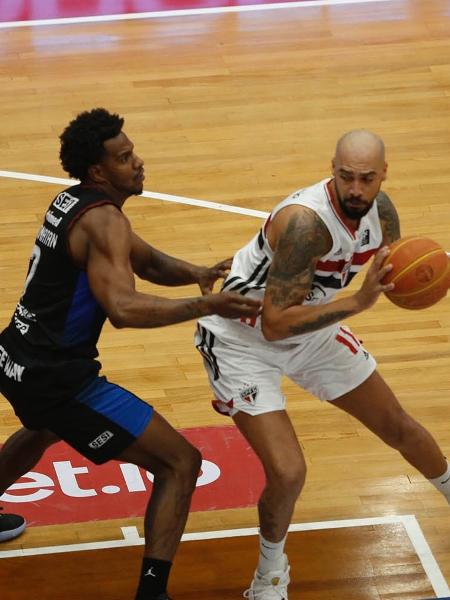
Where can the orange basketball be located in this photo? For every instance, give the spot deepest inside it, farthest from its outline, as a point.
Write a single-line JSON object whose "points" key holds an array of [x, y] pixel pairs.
{"points": [[421, 272]]}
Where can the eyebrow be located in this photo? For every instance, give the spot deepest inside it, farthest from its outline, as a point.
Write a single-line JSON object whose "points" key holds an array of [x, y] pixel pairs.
{"points": [[352, 172], [126, 151]]}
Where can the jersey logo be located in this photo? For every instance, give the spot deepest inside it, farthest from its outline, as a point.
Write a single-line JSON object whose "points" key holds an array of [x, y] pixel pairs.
{"points": [[53, 219], [316, 293], [365, 237], [64, 202], [248, 393], [100, 440], [25, 313], [21, 326]]}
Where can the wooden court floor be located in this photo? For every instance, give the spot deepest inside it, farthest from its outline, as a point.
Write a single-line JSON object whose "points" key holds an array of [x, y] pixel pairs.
{"points": [[376, 562]]}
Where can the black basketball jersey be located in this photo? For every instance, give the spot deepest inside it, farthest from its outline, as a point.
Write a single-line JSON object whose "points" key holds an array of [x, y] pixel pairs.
{"points": [[57, 314]]}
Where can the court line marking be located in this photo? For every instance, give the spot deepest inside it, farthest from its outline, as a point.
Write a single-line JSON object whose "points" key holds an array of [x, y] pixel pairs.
{"points": [[131, 538], [155, 195], [184, 12], [250, 212]]}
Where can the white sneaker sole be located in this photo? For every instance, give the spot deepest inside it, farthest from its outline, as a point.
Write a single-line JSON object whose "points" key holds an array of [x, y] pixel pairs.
{"points": [[12, 533]]}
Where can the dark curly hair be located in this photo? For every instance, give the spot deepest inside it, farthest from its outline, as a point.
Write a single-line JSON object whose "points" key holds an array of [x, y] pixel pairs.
{"points": [[82, 140]]}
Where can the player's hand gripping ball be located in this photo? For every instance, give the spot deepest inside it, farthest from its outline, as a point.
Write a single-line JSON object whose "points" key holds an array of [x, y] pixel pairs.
{"points": [[420, 272]]}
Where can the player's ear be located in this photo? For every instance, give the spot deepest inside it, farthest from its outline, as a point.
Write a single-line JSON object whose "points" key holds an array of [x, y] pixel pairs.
{"points": [[384, 171], [95, 173]]}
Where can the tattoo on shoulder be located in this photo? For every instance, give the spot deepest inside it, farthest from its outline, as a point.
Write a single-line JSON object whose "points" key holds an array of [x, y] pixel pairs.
{"points": [[305, 239], [390, 223]]}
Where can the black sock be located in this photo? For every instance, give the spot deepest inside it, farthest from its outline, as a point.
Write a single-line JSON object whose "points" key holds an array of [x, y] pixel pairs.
{"points": [[154, 577]]}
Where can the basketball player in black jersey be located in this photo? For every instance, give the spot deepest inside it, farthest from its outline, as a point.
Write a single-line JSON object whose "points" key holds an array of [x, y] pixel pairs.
{"points": [[81, 272]]}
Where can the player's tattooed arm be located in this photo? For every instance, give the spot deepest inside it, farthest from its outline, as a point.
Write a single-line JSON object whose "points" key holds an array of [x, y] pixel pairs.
{"points": [[319, 321], [304, 240], [301, 243], [390, 223]]}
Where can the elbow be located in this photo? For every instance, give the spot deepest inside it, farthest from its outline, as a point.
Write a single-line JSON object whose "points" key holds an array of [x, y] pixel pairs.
{"points": [[269, 331], [117, 321], [119, 316]]}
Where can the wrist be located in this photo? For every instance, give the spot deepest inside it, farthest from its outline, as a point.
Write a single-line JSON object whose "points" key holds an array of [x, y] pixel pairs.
{"points": [[358, 302], [196, 273], [204, 307]]}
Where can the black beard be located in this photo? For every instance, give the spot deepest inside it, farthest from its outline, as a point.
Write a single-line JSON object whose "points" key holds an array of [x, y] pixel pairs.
{"points": [[352, 213]]}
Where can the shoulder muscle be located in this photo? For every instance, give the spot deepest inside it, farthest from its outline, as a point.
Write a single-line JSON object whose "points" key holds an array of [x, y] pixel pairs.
{"points": [[390, 223], [102, 230], [302, 241]]}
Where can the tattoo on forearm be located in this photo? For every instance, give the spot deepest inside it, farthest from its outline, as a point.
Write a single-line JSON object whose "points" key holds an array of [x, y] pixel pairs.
{"points": [[389, 218], [305, 240], [319, 322]]}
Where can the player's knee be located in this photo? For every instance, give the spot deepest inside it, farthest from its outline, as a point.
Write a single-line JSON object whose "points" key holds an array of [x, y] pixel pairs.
{"points": [[400, 430], [187, 467], [289, 477], [194, 464], [180, 469]]}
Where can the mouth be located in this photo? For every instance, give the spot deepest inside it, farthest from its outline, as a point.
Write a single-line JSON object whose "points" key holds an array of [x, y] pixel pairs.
{"points": [[140, 177], [355, 203]]}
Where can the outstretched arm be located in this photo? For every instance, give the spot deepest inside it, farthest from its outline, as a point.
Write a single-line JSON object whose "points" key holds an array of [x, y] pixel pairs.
{"points": [[301, 240], [156, 266], [101, 242]]}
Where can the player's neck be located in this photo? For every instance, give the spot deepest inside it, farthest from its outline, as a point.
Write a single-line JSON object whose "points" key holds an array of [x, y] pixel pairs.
{"points": [[109, 190]]}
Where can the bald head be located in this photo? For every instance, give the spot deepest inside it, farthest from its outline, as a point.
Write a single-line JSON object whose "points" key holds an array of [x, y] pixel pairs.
{"points": [[360, 144], [359, 168]]}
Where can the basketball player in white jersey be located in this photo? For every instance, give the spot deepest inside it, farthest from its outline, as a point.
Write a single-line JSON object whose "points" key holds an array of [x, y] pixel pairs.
{"points": [[310, 247]]}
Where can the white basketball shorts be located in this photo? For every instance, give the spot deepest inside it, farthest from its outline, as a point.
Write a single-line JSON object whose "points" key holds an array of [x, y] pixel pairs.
{"points": [[246, 375]]}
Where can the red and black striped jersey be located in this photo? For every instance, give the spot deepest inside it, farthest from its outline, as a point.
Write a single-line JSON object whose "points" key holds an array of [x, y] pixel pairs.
{"points": [[349, 252]]}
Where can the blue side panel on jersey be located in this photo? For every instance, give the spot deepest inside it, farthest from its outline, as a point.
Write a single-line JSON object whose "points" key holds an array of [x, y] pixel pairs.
{"points": [[118, 404], [85, 317]]}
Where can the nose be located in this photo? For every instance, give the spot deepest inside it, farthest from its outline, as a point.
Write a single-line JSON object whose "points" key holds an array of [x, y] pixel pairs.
{"points": [[138, 162], [356, 189]]}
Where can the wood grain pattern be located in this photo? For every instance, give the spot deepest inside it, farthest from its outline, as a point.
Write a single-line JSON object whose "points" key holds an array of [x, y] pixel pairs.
{"points": [[362, 563]]}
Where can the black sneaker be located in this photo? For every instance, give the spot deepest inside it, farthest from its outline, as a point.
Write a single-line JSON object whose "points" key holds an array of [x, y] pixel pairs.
{"points": [[10, 526]]}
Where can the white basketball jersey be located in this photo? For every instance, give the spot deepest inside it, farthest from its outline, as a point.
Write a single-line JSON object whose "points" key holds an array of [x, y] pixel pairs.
{"points": [[334, 271]]}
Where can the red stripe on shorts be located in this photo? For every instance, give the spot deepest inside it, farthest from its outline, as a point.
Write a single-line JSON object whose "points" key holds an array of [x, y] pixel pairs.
{"points": [[346, 342], [350, 334]]}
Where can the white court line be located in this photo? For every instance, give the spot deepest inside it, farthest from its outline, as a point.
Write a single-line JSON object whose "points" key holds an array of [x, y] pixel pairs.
{"points": [[425, 555], [166, 197], [131, 538], [183, 12], [157, 196]]}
